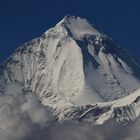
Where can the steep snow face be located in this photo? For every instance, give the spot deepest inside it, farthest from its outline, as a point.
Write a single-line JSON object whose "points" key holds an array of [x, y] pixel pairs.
{"points": [[72, 64]]}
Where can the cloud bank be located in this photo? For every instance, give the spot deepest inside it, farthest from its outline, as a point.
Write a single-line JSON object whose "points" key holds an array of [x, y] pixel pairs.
{"points": [[23, 117], [21, 114]]}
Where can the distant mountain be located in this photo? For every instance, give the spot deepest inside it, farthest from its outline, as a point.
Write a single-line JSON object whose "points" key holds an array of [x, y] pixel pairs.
{"points": [[73, 66]]}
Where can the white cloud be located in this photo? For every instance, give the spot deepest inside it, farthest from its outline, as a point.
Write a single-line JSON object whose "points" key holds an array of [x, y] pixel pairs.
{"points": [[23, 117]]}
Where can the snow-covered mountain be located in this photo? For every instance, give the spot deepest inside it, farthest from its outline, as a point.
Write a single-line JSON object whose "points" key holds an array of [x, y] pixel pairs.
{"points": [[71, 67]]}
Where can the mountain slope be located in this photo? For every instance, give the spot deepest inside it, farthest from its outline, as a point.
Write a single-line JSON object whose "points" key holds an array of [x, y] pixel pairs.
{"points": [[72, 64], [123, 110]]}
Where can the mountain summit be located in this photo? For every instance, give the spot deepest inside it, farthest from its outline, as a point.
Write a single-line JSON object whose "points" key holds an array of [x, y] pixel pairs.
{"points": [[72, 64], [77, 26]]}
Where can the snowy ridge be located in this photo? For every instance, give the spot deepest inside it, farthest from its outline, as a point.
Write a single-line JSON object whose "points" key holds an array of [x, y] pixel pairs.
{"points": [[72, 67], [122, 110]]}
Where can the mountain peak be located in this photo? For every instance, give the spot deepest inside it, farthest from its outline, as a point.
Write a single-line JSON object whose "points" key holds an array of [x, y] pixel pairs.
{"points": [[77, 26], [70, 18], [67, 17], [75, 61]]}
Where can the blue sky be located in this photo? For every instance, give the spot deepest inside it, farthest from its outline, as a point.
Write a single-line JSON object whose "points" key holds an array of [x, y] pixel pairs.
{"points": [[23, 20]]}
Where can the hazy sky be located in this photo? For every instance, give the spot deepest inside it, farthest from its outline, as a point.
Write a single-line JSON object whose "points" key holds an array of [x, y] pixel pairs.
{"points": [[23, 20]]}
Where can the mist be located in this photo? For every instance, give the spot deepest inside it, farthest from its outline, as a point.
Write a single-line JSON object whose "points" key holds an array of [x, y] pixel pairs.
{"points": [[23, 117]]}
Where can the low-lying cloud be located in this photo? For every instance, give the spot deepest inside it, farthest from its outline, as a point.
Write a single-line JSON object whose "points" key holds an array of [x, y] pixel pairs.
{"points": [[21, 114], [23, 117]]}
